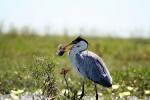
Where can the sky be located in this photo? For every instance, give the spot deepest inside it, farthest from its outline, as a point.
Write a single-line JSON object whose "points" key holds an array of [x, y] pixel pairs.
{"points": [[103, 17]]}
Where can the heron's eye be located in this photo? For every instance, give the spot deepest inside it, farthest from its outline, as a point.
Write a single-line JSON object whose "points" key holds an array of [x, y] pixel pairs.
{"points": [[78, 46]]}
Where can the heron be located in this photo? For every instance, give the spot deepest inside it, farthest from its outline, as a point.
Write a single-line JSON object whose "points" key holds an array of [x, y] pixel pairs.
{"points": [[87, 64]]}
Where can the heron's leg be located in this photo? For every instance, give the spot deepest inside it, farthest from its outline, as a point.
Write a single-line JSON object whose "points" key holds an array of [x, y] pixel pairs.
{"points": [[82, 94], [96, 91]]}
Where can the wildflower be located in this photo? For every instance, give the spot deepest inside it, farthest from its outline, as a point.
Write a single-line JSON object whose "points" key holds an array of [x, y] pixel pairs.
{"points": [[130, 88], [79, 93], [124, 94], [115, 87], [17, 92], [38, 91], [92, 98], [100, 94], [26, 77], [64, 92], [14, 96], [16, 72], [64, 71], [69, 79], [147, 91]]}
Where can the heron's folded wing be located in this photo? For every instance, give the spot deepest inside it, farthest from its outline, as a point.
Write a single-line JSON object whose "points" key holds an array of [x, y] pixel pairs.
{"points": [[93, 68]]}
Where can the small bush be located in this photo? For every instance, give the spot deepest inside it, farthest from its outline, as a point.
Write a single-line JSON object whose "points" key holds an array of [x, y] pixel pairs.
{"points": [[42, 70]]}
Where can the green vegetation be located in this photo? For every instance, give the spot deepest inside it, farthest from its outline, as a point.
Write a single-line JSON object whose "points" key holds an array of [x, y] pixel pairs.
{"points": [[28, 62]]}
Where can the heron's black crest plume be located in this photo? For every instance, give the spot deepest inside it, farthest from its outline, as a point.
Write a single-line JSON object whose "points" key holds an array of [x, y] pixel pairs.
{"points": [[78, 39]]}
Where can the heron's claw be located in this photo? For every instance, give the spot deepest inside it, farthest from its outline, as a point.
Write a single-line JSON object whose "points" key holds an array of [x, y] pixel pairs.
{"points": [[81, 96]]}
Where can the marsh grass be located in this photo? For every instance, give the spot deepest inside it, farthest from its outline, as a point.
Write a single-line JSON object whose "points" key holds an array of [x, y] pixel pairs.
{"points": [[28, 62]]}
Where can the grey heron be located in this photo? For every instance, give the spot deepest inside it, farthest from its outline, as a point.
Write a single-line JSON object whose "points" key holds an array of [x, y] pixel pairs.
{"points": [[87, 63]]}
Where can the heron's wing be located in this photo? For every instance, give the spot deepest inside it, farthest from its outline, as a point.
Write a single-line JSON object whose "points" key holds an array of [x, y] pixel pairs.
{"points": [[92, 67]]}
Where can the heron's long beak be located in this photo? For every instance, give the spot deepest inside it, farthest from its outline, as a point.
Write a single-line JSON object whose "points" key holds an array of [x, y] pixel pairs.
{"points": [[68, 47]]}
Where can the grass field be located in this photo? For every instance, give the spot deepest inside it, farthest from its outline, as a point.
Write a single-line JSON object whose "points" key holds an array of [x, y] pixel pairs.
{"points": [[29, 63]]}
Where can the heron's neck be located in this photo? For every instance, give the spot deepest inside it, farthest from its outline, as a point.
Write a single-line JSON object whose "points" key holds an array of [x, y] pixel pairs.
{"points": [[73, 60], [72, 53]]}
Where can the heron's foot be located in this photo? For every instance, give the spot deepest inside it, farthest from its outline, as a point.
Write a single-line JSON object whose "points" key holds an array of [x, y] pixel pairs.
{"points": [[96, 96], [81, 96]]}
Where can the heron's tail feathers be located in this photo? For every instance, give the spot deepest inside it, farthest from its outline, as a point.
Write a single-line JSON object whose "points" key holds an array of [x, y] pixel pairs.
{"points": [[104, 82]]}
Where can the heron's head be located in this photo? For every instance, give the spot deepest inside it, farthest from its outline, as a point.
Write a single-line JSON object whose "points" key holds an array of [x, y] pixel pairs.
{"points": [[77, 45]]}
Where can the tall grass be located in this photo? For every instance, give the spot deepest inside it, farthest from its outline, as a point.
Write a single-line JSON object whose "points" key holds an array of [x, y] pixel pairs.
{"points": [[28, 62]]}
